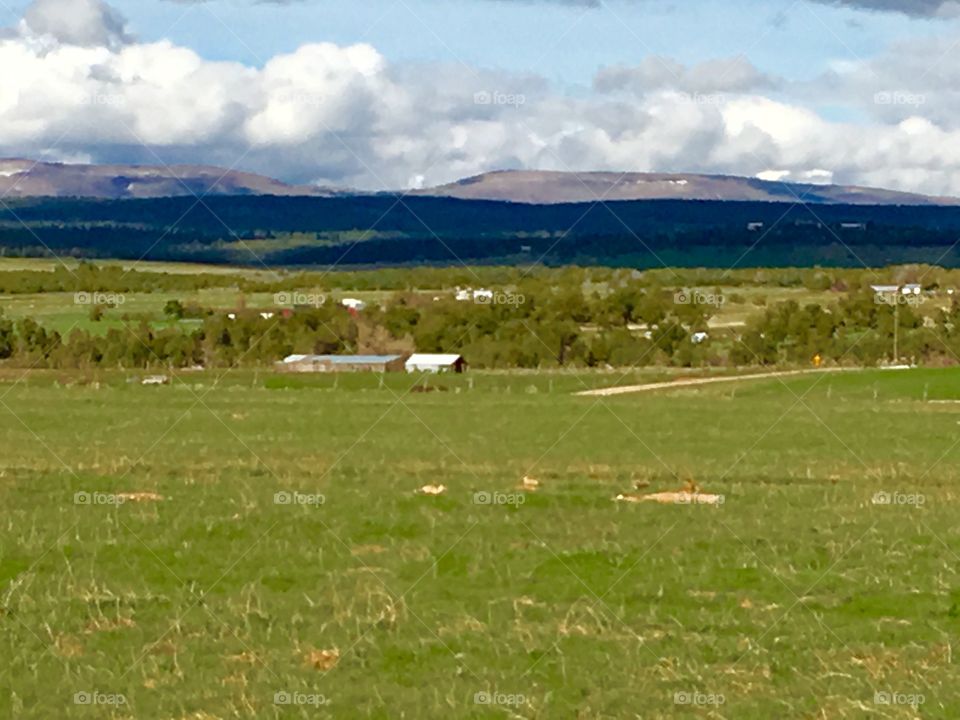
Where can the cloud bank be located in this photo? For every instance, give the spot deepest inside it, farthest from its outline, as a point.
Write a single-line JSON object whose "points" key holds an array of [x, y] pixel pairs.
{"points": [[84, 89]]}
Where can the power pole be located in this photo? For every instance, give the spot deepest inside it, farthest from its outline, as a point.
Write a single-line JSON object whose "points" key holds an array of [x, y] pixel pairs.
{"points": [[896, 332]]}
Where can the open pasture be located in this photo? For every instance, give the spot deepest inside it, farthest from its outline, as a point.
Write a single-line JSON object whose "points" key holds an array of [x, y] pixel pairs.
{"points": [[252, 546]]}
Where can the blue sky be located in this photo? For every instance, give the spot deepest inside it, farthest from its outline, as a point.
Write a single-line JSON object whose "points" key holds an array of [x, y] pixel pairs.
{"points": [[565, 43]]}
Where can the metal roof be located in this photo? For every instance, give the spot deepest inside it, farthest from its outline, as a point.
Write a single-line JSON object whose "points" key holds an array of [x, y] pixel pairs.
{"points": [[433, 359], [343, 359]]}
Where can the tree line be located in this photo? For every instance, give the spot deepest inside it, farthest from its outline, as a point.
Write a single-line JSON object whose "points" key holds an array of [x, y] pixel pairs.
{"points": [[562, 318]]}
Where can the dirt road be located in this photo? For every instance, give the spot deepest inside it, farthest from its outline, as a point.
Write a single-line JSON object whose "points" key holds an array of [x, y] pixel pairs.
{"points": [[627, 389]]}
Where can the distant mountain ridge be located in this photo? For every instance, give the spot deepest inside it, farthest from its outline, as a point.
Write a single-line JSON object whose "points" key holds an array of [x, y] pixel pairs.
{"points": [[550, 188], [21, 178]]}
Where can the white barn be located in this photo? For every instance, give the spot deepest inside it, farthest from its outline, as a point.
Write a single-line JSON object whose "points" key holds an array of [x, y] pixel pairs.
{"points": [[434, 363]]}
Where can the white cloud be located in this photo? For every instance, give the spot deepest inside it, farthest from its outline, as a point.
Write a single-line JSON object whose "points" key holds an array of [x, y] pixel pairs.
{"points": [[89, 23], [723, 75], [920, 8]]}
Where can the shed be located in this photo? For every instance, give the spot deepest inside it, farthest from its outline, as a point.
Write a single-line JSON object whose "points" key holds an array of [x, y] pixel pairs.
{"points": [[430, 362], [341, 363]]}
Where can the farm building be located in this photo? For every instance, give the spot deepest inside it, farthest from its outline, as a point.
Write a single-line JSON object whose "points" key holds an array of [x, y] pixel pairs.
{"points": [[341, 363], [353, 304], [909, 289], [428, 362]]}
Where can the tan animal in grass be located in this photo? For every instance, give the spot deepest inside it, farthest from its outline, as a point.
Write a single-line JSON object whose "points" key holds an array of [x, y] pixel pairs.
{"points": [[529, 484], [690, 487], [323, 659], [432, 490], [140, 497], [690, 494]]}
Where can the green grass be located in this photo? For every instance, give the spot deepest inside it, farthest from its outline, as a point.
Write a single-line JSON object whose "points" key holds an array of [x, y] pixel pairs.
{"points": [[797, 598], [179, 268]]}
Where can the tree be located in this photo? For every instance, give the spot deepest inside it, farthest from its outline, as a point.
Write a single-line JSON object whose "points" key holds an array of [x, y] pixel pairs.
{"points": [[174, 309]]}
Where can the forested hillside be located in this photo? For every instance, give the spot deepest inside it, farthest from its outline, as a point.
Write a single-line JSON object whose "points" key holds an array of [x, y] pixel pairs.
{"points": [[396, 230]]}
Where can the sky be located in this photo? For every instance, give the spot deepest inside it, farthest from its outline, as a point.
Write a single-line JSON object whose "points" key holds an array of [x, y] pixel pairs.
{"points": [[392, 94]]}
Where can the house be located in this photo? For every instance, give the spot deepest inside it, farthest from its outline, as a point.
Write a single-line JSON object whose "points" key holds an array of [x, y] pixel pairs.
{"points": [[908, 289], [340, 363], [434, 363], [699, 337], [481, 296], [353, 304], [853, 226], [754, 226]]}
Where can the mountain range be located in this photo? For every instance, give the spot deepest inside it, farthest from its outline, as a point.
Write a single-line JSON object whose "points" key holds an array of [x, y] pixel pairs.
{"points": [[26, 178], [20, 178]]}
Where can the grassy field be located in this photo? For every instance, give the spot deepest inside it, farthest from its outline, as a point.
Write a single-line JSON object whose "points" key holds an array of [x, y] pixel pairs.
{"points": [[8, 264], [805, 595]]}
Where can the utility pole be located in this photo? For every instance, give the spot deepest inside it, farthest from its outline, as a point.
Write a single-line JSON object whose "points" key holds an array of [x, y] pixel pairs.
{"points": [[892, 294], [896, 332]]}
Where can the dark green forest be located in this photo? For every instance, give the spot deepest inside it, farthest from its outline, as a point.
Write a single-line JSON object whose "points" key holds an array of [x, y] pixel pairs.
{"points": [[385, 230]]}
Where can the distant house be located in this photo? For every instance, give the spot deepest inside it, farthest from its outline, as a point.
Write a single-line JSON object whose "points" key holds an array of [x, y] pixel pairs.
{"points": [[353, 304], [754, 226], [909, 289], [853, 226], [699, 337], [480, 295], [341, 363], [428, 362]]}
